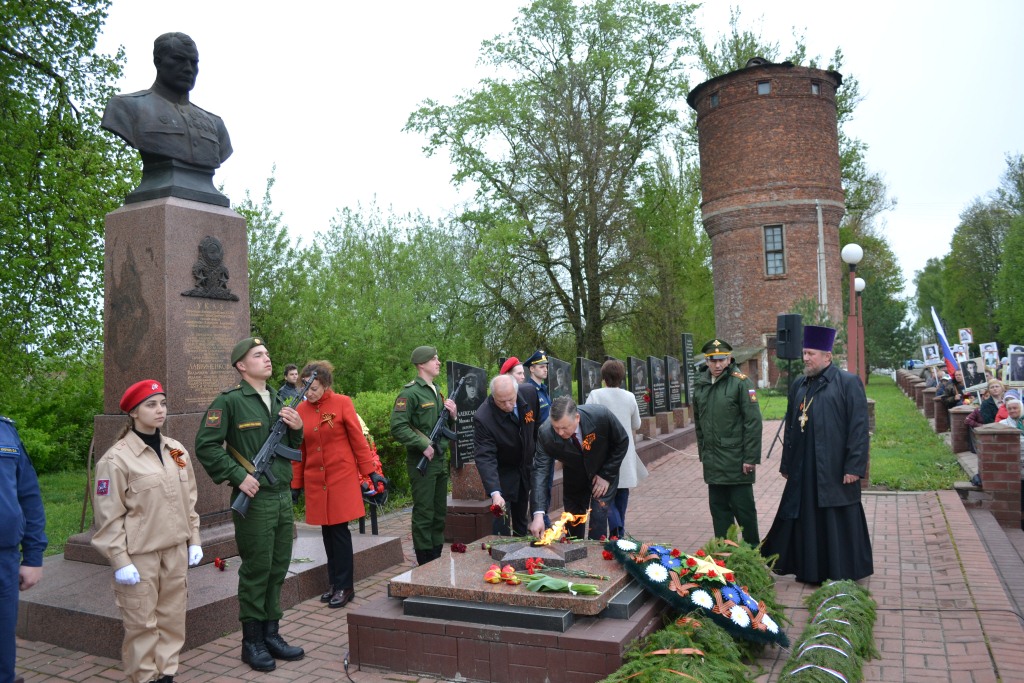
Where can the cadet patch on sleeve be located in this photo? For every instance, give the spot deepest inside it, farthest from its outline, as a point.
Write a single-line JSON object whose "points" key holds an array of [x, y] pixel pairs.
{"points": [[213, 418], [753, 395], [249, 425], [102, 487], [400, 404]]}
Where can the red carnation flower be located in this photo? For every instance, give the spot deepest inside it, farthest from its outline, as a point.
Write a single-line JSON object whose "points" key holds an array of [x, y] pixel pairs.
{"points": [[603, 538], [607, 555], [458, 547], [675, 552], [219, 563], [701, 553], [730, 577], [615, 538], [690, 562], [497, 510], [720, 563], [712, 573]]}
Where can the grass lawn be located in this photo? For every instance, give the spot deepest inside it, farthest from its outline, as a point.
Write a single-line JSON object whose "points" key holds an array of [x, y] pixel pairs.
{"points": [[63, 493]]}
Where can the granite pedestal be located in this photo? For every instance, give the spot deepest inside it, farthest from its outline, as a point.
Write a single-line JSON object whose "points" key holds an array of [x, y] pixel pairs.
{"points": [[443, 620]]}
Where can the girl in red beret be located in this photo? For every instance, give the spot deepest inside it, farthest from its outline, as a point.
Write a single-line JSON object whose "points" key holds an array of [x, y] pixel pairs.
{"points": [[148, 529]]}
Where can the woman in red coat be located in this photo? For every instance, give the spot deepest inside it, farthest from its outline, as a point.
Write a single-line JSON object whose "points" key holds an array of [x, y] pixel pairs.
{"points": [[334, 456]]}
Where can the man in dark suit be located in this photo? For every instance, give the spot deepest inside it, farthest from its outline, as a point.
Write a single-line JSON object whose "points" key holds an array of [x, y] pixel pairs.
{"points": [[505, 437], [590, 442]]}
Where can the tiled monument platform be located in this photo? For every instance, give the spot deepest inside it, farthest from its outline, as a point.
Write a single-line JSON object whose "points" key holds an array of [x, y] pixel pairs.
{"points": [[74, 608], [444, 620]]}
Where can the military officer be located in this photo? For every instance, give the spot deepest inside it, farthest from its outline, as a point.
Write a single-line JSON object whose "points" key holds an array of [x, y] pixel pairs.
{"points": [[22, 537], [412, 418], [728, 423], [537, 368], [241, 418]]}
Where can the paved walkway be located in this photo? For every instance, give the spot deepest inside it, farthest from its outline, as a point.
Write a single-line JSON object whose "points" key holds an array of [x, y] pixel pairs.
{"points": [[948, 581]]}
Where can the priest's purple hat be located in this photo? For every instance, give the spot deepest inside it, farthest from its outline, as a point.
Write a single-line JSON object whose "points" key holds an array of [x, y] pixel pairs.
{"points": [[819, 338]]}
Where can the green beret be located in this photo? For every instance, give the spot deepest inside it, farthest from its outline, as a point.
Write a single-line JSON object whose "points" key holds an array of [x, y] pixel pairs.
{"points": [[716, 347], [422, 354], [242, 348]]}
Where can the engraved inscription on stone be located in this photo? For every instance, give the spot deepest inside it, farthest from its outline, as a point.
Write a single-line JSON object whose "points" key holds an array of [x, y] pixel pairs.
{"points": [[210, 332]]}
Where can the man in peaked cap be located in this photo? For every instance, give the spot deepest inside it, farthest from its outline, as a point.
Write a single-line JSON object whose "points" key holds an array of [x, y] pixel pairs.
{"points": [[728, 423], [537, 368], [820, 531], [241, 418], [413, 416]]}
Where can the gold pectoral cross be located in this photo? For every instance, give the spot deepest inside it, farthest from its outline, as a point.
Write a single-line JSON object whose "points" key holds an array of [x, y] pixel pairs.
{"points": [[804, 417], [803, 420]]}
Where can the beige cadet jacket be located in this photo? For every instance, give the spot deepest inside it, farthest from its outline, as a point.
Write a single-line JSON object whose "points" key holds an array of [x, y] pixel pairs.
{"points": [[142, 505]]}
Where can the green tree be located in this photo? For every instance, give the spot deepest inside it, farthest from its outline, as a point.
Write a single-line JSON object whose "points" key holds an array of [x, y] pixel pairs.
{"points": [[556, 143], [972, 266], [60, 176], [930, 292], [1009, 293]]}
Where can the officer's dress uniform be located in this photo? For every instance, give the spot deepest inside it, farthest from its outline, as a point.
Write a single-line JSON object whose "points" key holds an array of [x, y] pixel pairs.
{"points": [[240, 417], [145, 515], [22, 534], [413, 416]]}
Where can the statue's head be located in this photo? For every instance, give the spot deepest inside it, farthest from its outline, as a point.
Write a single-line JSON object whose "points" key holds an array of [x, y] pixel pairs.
{"points": [[177, 62]]}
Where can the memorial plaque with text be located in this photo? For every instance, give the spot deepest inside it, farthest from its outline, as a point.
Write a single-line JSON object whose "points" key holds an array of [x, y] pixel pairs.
{"points": [[588, 378], [656, 373], [559, 378], [209, 328], [636, 371], [674, 384], [473, 393], [689, 376]]}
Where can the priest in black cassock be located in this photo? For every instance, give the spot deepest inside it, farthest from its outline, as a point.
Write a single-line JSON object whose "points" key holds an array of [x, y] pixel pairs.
{"points": [[820, 531]]}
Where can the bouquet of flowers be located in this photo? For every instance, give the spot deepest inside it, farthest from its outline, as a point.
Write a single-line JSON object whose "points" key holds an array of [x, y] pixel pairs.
{"points": [[698, 582]]}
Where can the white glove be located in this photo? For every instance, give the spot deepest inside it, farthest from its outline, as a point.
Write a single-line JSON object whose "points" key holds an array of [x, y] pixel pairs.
{"points": [[127, 576], [195, 555]]}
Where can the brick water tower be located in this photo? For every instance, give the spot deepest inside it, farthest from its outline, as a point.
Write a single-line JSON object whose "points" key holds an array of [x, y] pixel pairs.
{"points": [[772, 198]]}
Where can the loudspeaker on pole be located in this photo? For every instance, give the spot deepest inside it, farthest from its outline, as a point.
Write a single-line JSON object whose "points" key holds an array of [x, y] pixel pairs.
{"points": [[789, 336]]}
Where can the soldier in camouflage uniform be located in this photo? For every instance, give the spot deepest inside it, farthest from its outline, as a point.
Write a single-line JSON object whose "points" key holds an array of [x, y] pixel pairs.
{"points": [[241, 418], [413, 416]]}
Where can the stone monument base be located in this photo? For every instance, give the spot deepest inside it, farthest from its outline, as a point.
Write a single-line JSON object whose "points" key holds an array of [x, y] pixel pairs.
{"points": [[451, 624], [468, 520], [74, 607]]}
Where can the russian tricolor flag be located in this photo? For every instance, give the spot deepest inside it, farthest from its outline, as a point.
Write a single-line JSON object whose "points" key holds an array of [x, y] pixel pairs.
{"points": [[947, 353]]}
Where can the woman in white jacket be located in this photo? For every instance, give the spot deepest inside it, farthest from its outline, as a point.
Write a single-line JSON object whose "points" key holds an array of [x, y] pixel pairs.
{"points": [[623, 405]]}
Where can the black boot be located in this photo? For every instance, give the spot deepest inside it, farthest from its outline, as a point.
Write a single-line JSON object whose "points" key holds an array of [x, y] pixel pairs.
{"points": [[424, 556], [276, 645], [437, 550], [165, 679], [254, 647]]}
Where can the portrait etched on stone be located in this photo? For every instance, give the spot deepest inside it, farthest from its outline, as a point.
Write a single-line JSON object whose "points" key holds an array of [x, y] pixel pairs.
{"points": [[181, 144], [210, 273]]}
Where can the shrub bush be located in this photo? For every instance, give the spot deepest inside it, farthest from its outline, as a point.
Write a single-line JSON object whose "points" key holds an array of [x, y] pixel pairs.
{"points": [[375, 409]]}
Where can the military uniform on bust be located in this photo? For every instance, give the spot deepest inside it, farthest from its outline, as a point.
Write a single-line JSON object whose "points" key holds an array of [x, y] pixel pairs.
{"points": [[241, 418], [413, 416], [728, 423]]}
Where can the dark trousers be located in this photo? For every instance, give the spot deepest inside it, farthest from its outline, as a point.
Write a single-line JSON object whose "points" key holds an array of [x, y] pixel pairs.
{"points": [[10, 562], [338, 544], [617, 513], [734, 501], [578, 502]]}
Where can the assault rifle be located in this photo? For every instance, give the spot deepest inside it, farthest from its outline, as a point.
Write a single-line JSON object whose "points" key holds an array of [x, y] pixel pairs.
{"points": [[440, 429], [272, 448]]}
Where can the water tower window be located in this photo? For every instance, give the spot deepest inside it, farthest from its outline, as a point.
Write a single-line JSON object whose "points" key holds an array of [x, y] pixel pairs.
{"points": [[774, 251], [714, 99], [815, 88], [764, 88]]}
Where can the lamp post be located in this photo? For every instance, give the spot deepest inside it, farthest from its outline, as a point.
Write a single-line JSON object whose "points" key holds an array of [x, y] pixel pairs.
{"points": [[859, 284], [852, 255]]}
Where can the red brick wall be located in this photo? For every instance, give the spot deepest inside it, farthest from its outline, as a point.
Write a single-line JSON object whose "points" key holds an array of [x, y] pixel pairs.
{"points": [[766, 160]]}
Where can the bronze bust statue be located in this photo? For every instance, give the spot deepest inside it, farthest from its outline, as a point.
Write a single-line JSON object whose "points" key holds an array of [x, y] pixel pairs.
{"points": [[181, 144]]}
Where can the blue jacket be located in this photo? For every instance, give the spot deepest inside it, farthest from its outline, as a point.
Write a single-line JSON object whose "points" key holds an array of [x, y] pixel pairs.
{"points": [[21, 505]]}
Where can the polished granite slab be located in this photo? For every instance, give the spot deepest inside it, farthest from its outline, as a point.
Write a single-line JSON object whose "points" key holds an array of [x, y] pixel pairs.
{"points": [[459, 576]]}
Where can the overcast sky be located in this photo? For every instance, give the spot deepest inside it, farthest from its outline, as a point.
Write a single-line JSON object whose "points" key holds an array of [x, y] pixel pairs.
{"points": [[323, 90]]}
